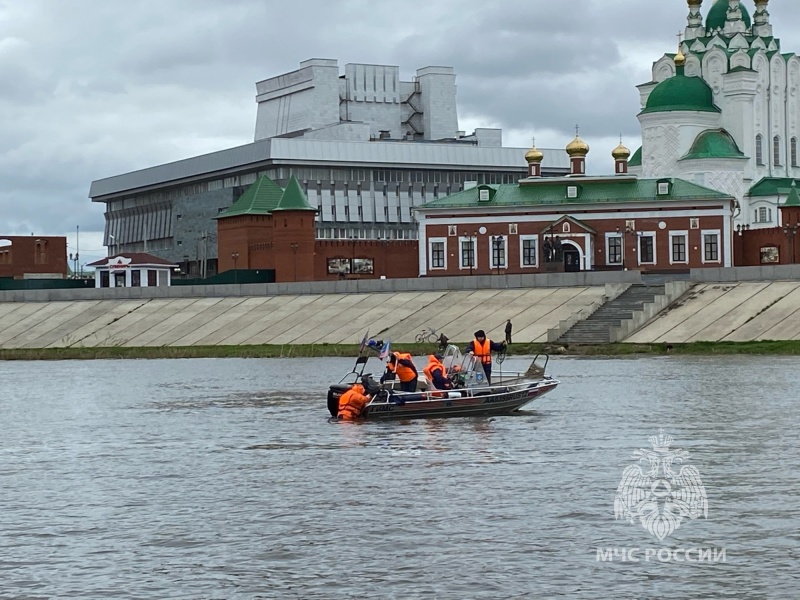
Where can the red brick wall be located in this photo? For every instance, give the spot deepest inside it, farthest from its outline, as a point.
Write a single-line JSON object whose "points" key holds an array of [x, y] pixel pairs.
{"points": [[22, 258], [747, 247], [285, 242], [391, 258]]}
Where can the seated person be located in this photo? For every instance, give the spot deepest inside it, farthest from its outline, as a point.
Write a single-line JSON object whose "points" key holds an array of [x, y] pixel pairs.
{"points": [[352, 402], [401, 365], [437, 374]]}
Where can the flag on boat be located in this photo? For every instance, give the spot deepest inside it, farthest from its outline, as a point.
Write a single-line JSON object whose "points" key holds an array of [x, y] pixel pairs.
{"points": [[363, 342], [384, 351]]}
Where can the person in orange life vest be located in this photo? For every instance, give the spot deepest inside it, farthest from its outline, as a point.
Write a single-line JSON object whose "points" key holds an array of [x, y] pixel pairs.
{"points": [[351, 403], [437, 374], [482, 347], [400, 364]]}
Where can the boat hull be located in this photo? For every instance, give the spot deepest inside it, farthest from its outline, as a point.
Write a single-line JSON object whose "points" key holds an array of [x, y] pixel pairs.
{"points": [[475, 402]]}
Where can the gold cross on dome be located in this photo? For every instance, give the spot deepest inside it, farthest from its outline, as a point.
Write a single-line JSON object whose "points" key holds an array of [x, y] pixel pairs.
{"points": [[577, 130], [680, 37]]}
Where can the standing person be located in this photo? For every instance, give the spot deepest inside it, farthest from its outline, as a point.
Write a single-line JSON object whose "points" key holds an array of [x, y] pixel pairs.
{"points": [[401, 365], [508, 331], [548, 250], [482, 348]]}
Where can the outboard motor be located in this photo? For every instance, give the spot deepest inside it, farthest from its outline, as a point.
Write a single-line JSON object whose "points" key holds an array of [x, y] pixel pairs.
{"points": [[334, 393]]}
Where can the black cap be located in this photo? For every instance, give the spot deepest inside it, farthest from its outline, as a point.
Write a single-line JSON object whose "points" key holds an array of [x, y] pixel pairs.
{"points": [[480, 333], [438, 356]]}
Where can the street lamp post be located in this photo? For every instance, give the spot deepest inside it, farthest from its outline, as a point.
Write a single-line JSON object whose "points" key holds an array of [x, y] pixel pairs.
{"points": [[235, 257], [790, 231]]}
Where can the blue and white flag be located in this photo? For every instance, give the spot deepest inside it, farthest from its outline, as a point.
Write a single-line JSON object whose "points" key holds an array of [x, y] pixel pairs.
{"points": [[384, 351]]}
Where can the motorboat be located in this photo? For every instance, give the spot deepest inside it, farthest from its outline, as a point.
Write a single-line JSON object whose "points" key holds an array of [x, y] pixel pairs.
{"points": [[472, 395]]}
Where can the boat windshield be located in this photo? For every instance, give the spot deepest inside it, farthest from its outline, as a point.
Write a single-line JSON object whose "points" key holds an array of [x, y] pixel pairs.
{"points": [[466, 368]]}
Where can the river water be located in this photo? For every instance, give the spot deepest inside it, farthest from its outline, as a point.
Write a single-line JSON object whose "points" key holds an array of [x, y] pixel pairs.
{"points": [[222, 479]]}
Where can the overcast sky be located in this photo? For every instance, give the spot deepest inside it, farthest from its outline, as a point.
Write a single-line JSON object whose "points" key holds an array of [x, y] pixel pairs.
{"points": [[94, 88]]}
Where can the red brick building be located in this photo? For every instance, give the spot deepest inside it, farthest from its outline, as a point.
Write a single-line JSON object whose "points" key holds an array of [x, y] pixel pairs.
{"points": [[29, 257], [576, 223], [771, 245], [273, 228]]}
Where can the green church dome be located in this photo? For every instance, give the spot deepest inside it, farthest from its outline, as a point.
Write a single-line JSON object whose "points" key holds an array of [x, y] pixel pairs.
{"points": [[714, 143], [718, 16], [681, 93]]}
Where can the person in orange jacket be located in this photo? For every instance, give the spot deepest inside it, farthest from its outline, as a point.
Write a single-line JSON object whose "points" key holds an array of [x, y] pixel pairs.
{"points": [[437, 374], [401, 365], [352, 402], [482, 348]]}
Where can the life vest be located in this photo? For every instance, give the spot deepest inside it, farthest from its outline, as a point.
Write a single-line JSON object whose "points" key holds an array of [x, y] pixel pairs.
{"points": [[433, 365], [483, 351], [351, 403], [405, 374]]}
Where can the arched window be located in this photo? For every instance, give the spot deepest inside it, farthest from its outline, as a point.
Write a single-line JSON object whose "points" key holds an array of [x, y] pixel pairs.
{"points": [[793, 150], [759, 150], [776, 151]]}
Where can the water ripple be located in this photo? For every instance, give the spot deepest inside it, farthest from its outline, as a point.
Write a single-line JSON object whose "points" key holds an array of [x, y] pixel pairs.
{"points": [[222, 479]]}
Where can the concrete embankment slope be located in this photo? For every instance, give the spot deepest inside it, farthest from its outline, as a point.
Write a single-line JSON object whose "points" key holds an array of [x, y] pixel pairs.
{"points": [[730, 312], [289, 319]]}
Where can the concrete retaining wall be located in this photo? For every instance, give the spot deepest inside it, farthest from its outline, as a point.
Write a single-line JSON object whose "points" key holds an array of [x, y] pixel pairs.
{"points": [[673, 290], [357, 286]]}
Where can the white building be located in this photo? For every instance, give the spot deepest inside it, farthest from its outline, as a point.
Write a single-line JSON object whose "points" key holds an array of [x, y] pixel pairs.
{"points": [[366, 147], [723, 112]]}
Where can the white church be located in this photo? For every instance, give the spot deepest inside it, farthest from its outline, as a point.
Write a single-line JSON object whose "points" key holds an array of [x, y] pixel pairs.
{"points": [[723, 111]]}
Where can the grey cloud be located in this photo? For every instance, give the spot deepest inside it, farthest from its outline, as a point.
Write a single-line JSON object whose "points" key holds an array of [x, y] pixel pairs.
{"points": [[93, 89]]}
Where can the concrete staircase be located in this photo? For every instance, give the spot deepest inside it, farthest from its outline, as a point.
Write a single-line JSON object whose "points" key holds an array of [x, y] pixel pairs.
{"points": [[600, 326]]}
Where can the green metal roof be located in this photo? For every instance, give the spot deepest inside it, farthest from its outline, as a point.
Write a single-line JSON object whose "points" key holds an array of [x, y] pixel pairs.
{"points": [[293, 197], [681, 93], [718, 16], [265, 196], [772, 186], [714, 143], [794, 198], [602, 191], [636, 159]]}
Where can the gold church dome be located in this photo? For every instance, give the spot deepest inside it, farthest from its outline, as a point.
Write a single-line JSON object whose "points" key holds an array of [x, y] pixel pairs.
{"points": [[621, 152], [577, 147], [534, 155]]}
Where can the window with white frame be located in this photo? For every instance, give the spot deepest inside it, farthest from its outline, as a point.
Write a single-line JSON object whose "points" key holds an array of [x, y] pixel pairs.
{"points": [[711, 246], [647, 247], [763, 214], [776, 151], [678, 247], [613, 248], [437, 251], [497, 251], [466, 255], [529, 256], [759, 150]]}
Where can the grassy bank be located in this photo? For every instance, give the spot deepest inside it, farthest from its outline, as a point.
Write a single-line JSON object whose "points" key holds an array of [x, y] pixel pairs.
{"points": [[350, 350]]}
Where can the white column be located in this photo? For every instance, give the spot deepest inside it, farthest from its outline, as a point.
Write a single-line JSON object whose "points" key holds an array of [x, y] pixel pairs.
{"points": [[423, 246]]}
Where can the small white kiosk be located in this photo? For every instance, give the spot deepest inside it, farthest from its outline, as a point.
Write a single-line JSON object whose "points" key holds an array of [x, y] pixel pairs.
{"points": [[132, 270]]}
